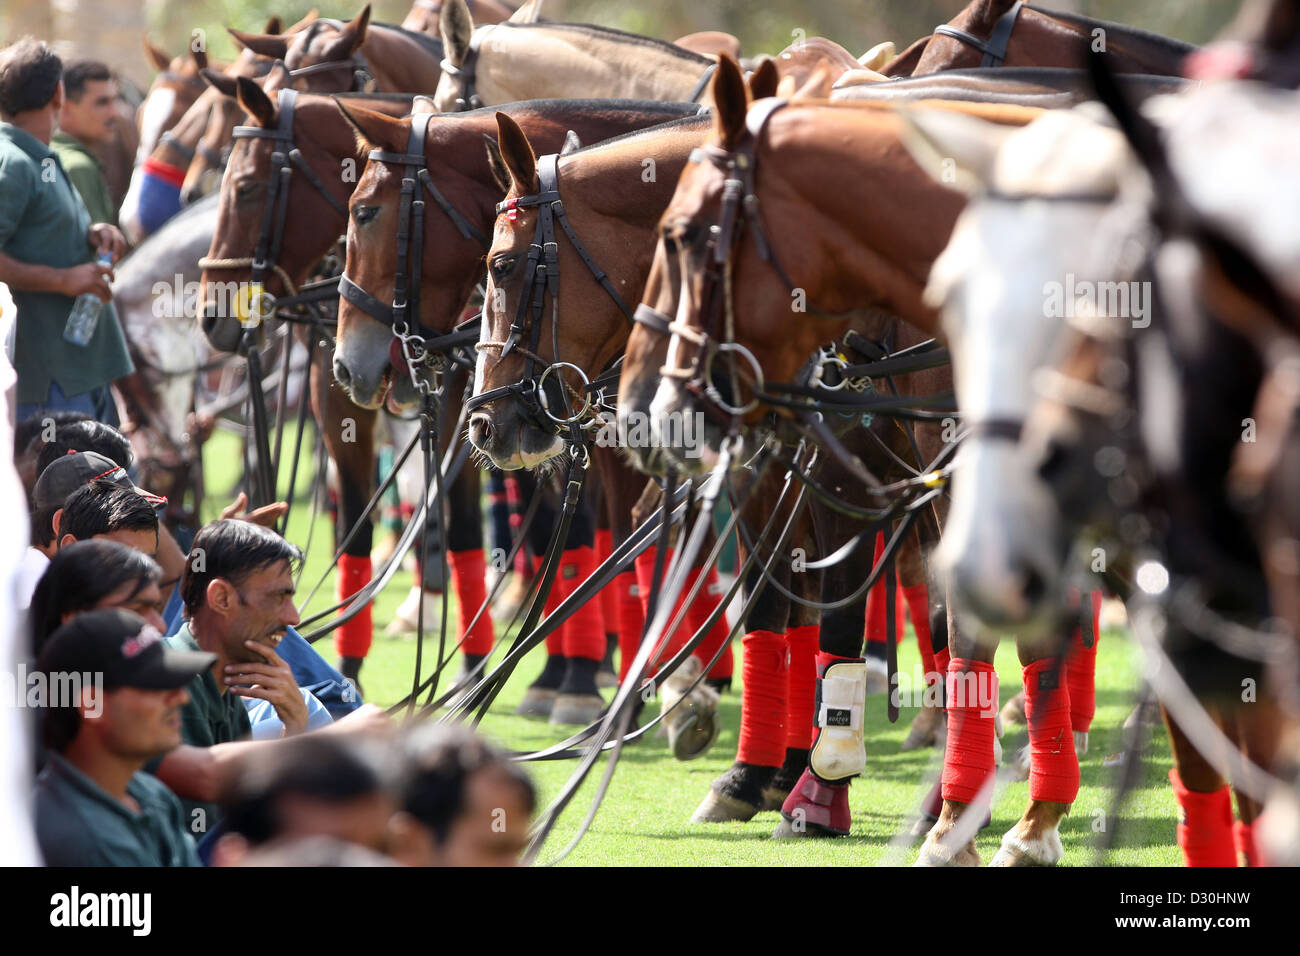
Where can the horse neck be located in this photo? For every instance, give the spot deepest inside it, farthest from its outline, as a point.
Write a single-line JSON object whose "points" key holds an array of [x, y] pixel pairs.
{"points": [[872, 221], [542, 61]]}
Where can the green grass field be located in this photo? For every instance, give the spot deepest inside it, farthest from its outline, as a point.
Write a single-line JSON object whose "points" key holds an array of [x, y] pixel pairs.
{"points": [[644, 821]]}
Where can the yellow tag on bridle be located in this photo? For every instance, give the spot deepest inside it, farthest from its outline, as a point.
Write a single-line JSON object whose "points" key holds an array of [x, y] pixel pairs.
{"points": [[250, 305]]}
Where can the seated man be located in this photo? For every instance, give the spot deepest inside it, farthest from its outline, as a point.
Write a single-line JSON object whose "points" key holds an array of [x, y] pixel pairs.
{"points": [[93, 806], [464, 802]]}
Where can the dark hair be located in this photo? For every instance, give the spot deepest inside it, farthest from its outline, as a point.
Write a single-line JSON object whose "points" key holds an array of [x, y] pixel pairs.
{"points": [[231, 549], [439, 761], [87, 435], [43, 526], [328, 768], [79, 577], [29, 76], [102, 507], [80, 72], [27, 430]]}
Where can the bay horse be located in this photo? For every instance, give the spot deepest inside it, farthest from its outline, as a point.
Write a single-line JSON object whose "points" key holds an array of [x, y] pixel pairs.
{"points": [[1120, 441], [997, 33], [833, 174], [424, 14], [368, 359]]}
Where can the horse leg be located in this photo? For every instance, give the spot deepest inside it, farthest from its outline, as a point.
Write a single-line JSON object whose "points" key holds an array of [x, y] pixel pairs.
{"points": [[930, 622], [738, 793], [969, 752], [348, 433], [1257, 730], [1054, 767], [539, 698], [1205, 806], [606, 676]]}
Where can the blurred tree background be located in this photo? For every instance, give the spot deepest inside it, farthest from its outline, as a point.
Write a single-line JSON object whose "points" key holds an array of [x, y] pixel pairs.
{"points": [[110, 29]]}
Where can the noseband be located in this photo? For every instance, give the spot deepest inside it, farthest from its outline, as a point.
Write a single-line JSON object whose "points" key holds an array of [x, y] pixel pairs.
{"points": [[542, 279], [419, 344]]}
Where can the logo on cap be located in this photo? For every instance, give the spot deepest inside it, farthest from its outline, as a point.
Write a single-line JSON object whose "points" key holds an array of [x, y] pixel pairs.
{"points": [[134, 645]]}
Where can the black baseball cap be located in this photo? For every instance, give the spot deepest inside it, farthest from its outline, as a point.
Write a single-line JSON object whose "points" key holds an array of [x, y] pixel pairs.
{"points": [[65, 475], [125, 648]]}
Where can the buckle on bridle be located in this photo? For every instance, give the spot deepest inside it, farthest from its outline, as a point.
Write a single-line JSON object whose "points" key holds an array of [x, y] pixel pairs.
{"points": [[714, 395]]}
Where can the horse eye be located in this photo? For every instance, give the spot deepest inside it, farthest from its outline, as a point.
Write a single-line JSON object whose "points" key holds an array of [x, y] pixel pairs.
{"points": [[363, 214], [501, 267], [244, 190]]}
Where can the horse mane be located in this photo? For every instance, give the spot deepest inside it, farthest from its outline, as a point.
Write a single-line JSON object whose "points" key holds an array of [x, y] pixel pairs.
{"points": [[681, 122], [432, 45], [608, 33], [1120, 29], [669, 109]]}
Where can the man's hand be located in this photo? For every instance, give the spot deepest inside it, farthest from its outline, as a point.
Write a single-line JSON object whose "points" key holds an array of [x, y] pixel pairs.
{"points": [[266, 516], [105, 237], [87, 277], [271, 681]]}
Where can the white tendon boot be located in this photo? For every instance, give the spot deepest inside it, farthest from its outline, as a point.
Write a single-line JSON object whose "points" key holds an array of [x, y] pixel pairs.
{"points": [[426, 604], [839, 752]]}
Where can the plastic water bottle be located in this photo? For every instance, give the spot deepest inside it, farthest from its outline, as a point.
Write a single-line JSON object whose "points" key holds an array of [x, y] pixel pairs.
{"points": [[84, 317]]}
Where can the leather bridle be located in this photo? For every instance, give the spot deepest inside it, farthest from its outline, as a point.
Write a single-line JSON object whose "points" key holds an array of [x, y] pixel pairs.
{"points": [[546, 410], [740, 209], [420, 345], [468, 98], [285, 158], [995, 48]]}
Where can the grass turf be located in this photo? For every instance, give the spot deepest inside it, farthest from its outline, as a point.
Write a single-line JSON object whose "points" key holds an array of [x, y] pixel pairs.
{"points": [[644, 820]]}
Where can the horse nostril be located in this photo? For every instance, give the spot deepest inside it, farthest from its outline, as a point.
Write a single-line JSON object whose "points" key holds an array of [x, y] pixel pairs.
{"points": [[1035, 586], [480, 430], [341, 373]]}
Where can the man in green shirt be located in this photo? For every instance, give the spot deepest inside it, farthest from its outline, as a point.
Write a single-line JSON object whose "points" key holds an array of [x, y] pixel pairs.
{"points": [[89, 96], [94, 806], [48, 245]]}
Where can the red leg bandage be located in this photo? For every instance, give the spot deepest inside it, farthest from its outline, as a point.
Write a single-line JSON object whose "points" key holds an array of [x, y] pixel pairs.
{"points": [[645, 574], [554, 640], [1081, 668], [468, 575], [608, 596], [1243, 838], [801, 686], [918, 605], [1053, 765], [698, 612], [352, 639], [584, 631], [631, 620], [972, 688], [876, 617], [1204, 825], [762, 707]]}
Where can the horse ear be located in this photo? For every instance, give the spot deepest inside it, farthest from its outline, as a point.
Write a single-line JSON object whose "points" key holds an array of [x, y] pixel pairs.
{"points": [[763, 81], [957, 149], [571, 143], [530, 12], [374, 130], [350, 37], [200, 58], [160, 60], [730, 102], [517, 154], [263, 44], [255, 102], [457, 27], [818, 85], [496, 163], [878, 55], [220, 81], [273, 24]]}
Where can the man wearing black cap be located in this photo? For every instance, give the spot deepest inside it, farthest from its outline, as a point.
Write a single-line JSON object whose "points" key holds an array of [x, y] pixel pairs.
{"points": [[94, 806]]}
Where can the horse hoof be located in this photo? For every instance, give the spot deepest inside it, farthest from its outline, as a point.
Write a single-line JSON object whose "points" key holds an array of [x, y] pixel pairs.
{"points": [[815, 809], [537, 702], [693, 737], [1013, 711], [720, 808], [925, 729], [579, 709], [1045, 851], [934, 853], [606, 679]]}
